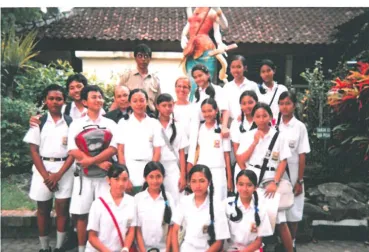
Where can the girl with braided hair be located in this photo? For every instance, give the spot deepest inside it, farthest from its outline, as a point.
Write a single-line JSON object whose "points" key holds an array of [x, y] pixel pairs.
{"points": [[154, 207], [244, 215], [201, 214], [173, 152]]}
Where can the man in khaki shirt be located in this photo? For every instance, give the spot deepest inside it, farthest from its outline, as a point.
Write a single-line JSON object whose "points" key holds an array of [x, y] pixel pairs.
{"points": [[141, 77]]}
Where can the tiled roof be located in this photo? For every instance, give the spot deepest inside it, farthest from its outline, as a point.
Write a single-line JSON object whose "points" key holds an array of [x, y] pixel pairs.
{"points": [[246, 24]]}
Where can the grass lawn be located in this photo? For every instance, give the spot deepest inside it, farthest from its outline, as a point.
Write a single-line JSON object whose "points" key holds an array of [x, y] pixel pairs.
{"points": [[13, 198]]}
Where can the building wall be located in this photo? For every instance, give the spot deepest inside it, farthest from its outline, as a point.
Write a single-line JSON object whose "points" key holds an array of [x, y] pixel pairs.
{"points": [[106, 64]]}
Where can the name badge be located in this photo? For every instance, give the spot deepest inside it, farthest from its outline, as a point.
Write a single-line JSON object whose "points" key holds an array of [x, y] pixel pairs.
{"points": [[65, 140], [292, 144], [216, 143], [275, 155], [205, 229], [129, 222]]}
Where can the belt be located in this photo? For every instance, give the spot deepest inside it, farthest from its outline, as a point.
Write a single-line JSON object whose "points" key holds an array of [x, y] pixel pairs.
{"points": [[51, 159], [259, 167]]}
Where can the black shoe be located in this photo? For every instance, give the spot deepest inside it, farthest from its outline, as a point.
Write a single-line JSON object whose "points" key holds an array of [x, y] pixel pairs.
{"points": [[294, 249], [45, 250], [70, 242]]}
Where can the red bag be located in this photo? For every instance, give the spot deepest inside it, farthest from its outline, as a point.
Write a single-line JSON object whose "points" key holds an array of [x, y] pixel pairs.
{"points": [[92, 141], [132, 248]]}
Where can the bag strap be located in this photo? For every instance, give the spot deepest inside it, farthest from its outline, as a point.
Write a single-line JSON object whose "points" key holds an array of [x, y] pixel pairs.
{"points": [[68, 108], [267, 155], [167, 142], [277, 128], [43, 120], [114, 220], [275, 92]]}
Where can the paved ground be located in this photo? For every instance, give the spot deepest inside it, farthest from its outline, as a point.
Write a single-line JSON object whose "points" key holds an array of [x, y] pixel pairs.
{"points": [[32, 245]]}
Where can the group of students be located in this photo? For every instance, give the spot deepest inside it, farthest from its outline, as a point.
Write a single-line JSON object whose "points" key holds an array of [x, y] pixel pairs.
{"points": [[176, 166]]}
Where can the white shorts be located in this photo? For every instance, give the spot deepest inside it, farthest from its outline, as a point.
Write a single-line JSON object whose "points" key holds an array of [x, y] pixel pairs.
{"points": [[294, 214], [136, 171], [92, 188], [40, 192], [171, 179], [219, 183]]}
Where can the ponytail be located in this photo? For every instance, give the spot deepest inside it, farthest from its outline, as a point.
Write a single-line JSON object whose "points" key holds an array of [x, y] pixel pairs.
{"points": [[210, 91], [197, 94], [238, 217], [144, 186], [256, 200], [174, 129], [211, 229], [167, 210], [217, 129], [242, 129]]}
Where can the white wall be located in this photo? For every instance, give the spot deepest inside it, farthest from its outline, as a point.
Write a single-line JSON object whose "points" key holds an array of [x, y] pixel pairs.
{"points": [[104, 64]]}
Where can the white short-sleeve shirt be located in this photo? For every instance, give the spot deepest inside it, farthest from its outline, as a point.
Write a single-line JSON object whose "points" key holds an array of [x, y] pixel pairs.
{"points": [[180, 141], [76, 114], [241, 235], [77, 126], [52, 141], [100, 221], [267, 97], [139, 137], [235, 129], [183, 114], [197, 219], [212, 147], [279, 152], [297, 139], [150, 214], [233, 92]]}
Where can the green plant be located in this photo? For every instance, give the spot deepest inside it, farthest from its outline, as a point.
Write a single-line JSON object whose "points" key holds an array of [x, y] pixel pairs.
{"points": [[349, 99], [315, 111], [15, 55]]}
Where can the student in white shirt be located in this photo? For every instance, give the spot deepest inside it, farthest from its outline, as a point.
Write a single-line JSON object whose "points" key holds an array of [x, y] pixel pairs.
{"points": [[239, 84], [52, 175], [139, 139], [86, 189], [298, 141], [183, 109], [172, 153], [206, 89], [154, 208], [103, 235], [213, 150], [270, 90], [202, 216], [254, 148], [245, 214], [247, 101]]}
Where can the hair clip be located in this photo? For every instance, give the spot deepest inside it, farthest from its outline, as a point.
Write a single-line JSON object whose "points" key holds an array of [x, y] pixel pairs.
{"points": [[166, 203], [256, 209], [211, 222]]}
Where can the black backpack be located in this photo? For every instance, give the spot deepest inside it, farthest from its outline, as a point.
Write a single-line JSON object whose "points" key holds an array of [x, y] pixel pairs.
{"points": [[43, 119]]}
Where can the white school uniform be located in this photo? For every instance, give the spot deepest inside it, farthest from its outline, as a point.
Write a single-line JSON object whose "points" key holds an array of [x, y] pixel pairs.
{"points": [[170, 161], [298, 141], [267, 98], [196, 219], [241, 235], [139, 139], [183, 114], [279, 152], [52, 144], [91, 187], [236, 136], [212, 148], [99, 220], [149, 216], [233, 92], [76, 114]]}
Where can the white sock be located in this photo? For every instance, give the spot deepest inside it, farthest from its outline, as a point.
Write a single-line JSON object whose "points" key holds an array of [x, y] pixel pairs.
{"points": [[44, 241], [293, 243], [81, 248], [60, 236]]}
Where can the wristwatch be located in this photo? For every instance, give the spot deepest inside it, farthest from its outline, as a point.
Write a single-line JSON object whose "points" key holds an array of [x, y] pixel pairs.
{"points": [[276, 183], [300, 181], [125, 249]]}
